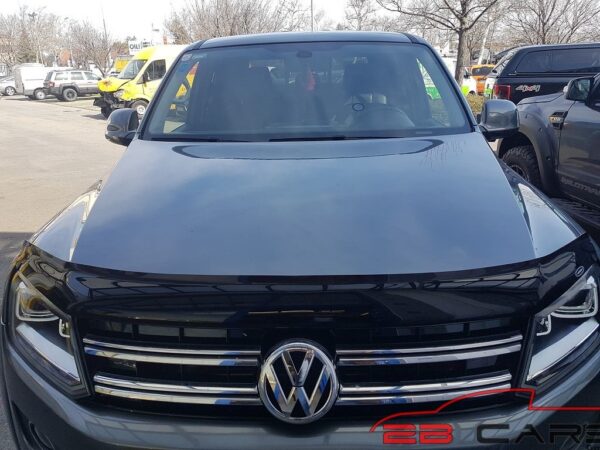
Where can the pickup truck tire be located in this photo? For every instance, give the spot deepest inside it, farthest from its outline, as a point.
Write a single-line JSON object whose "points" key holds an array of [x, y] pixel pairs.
{"points": [[69, 94], [523, 161]]}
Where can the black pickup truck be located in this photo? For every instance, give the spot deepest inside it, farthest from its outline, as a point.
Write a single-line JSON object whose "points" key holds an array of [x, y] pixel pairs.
{"points": [[558, 147], [540, 70]]}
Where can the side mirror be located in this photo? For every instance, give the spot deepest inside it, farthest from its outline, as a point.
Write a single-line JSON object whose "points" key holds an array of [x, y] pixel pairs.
{"points": [[499, 119], [122, 125], [579, 89]]}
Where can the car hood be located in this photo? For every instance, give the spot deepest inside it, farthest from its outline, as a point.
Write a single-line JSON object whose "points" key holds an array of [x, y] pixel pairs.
{"points": [[111, 84], [389, 206]]}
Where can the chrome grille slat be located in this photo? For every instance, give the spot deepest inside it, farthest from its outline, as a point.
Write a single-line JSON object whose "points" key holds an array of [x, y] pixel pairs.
{"points": [[426, 387], [397, 359], [229, 360], [174, 398], [436, 349], [178, 388], [168, 350]]}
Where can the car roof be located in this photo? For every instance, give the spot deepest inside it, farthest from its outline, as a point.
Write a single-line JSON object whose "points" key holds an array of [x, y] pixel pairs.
{"points": [[556, 46], [319, 36]]}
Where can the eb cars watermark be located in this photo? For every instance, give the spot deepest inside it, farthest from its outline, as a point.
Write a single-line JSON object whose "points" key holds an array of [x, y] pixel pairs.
{"points": [[399, 429]]}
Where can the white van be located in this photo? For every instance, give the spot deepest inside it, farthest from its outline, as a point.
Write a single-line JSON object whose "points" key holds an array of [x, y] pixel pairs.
{"points": [[29, 79]]}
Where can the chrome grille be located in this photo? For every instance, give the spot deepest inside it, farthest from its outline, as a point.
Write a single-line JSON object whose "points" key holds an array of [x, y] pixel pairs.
{"points": [[153, 373]]}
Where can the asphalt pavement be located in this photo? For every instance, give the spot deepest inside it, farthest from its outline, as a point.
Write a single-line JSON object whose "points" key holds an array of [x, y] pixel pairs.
{"points": [[50, 152]]}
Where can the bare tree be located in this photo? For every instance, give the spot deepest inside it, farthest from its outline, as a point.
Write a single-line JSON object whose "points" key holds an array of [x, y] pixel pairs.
{"points": [[201, 19], [11, 50], [457, 16], [360, 14], [91, 45], [553, 21], [29, 35]]}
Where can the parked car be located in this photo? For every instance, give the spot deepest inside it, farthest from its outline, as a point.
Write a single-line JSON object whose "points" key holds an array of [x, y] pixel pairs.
{"points": [[558, 147], [266, 253], [7, 86], [541, 69], [29, 80], [480, 72], [136, 84], [67, 85]]}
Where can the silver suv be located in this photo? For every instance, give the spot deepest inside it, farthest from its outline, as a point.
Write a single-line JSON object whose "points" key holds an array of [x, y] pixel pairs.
{"points": [[67, 85]]}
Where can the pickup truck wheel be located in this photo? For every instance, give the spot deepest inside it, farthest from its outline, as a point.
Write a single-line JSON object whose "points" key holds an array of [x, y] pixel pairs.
{"points": [[523, 161], [39, 94], [69, 94]]}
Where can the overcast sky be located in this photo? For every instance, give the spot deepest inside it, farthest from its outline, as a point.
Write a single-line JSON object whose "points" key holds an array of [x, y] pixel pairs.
{"points": [[136, 17]]}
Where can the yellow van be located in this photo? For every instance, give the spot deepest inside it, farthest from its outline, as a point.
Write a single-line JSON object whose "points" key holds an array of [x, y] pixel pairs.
{"points": [[136, 84]]}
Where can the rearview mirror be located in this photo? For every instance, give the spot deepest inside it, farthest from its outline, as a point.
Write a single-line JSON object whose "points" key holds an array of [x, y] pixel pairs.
{"points": [[499, 119], [122, 125], [579, 89]]}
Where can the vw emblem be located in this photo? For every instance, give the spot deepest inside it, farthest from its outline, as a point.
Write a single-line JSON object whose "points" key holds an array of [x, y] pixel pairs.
{"points": [[298, 383]]}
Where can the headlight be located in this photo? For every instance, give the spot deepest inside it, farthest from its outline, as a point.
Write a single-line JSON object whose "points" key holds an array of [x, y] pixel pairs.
{"points": [[42, 333], [119, 93], [566, 330]]}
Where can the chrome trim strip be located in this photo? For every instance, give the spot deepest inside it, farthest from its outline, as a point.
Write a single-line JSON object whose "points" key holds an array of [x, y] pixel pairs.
{"points": [[429, 387], [171, 351], [393, 360], [175, 359], [444, 348], [408, 399], [183, 399], [177, 388]]}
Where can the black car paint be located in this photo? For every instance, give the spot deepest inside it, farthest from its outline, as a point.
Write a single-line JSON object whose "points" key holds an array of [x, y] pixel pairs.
{"points": [[526, 85], [308, 208], [567, 151]]}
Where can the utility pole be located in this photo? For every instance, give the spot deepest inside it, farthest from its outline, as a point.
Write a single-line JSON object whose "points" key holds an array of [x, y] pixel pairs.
{"points": [[483, 43], [312, 16], [107, 61]]}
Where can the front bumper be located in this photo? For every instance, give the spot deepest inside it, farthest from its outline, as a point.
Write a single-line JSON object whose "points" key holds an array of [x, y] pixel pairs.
{"points": [[108, 100], [68, 424]]}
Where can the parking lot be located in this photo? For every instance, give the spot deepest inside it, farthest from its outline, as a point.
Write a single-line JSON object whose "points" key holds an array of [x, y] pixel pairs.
{"points": [[50, 152]]}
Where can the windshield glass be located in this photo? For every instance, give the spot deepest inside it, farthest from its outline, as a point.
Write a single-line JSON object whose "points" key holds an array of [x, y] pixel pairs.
{"points": [[132, 68], [323, 90], [481, 71], [503, 62]]}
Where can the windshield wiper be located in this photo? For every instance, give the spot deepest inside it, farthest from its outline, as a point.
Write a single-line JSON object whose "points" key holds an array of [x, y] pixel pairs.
{"points": [[328, 138], [193, 139]]}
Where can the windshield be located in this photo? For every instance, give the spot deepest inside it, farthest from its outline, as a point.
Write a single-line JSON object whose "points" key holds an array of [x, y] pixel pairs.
{"points": [[132, 68], [503, 62], [323, 90], [481, 71]]}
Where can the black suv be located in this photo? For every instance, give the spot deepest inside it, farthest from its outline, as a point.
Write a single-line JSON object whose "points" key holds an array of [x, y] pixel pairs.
{"points": [[539, 70], [298, 242], [558, 147]]}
